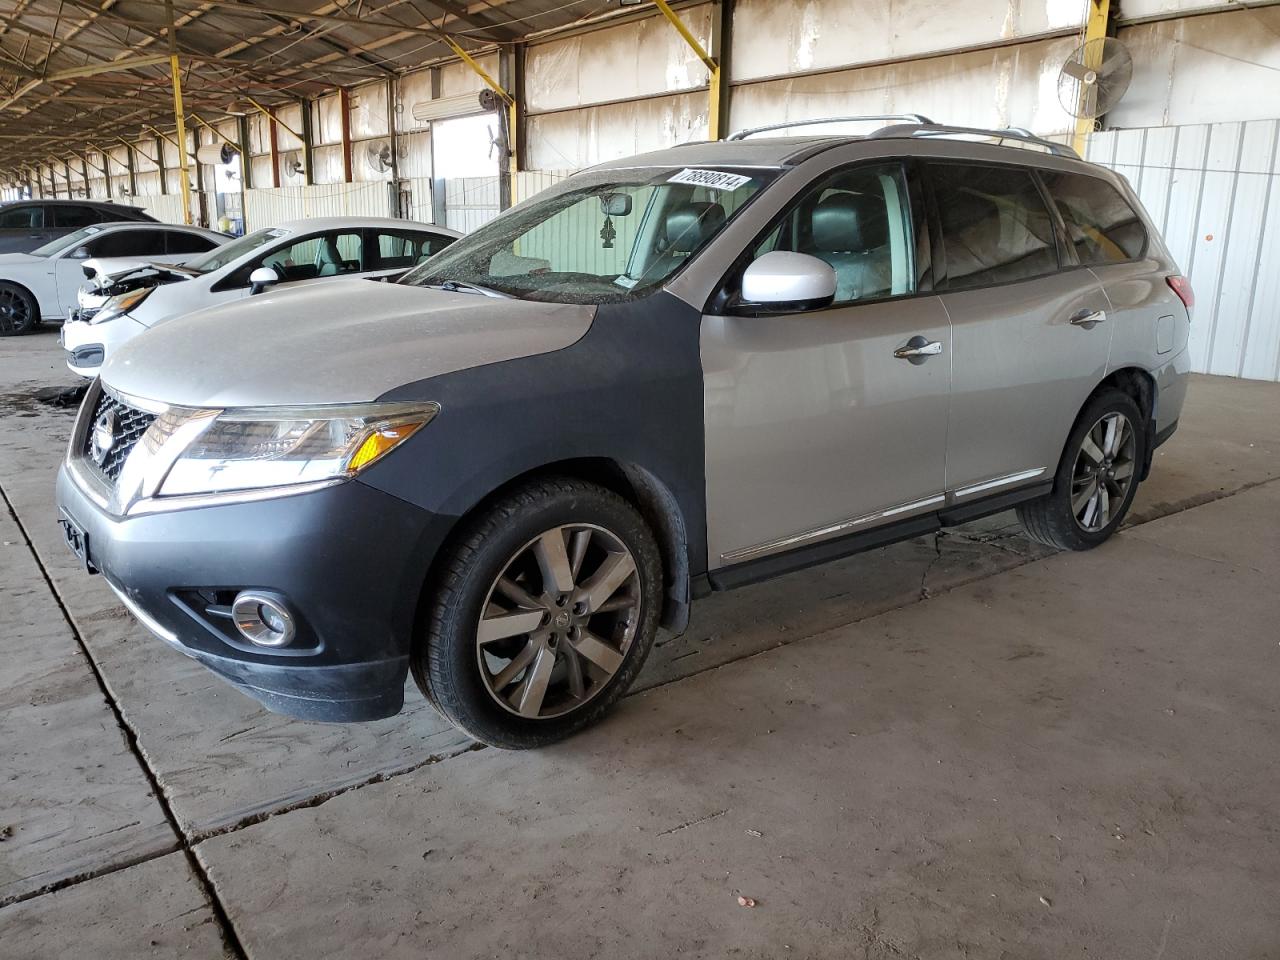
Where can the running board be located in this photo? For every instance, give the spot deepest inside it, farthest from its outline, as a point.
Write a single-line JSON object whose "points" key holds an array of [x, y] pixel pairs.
{"points": [[779, 564]]}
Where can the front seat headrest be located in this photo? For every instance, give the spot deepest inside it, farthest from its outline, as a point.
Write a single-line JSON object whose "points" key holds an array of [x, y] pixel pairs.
{"points": [[691, 223], [849, 222]]}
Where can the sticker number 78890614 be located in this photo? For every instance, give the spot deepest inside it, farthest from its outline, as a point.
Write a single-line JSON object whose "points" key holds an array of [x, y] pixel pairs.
{"points": [[714, 179]]}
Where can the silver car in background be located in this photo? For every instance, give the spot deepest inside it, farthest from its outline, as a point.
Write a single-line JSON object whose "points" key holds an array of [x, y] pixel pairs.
{"points": [[671, 374]]}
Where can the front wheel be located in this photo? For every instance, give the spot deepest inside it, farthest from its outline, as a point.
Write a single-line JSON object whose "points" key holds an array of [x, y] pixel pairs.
{"points": [[1096, 480], [542, 615], [19, 311]]}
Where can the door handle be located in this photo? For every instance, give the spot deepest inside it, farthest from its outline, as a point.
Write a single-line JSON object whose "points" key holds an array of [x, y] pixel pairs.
{"points": [[917, 350], [1088, 318]]}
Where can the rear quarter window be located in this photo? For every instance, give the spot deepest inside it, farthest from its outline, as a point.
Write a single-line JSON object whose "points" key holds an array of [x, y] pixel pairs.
{"points": [[1100, 223]]}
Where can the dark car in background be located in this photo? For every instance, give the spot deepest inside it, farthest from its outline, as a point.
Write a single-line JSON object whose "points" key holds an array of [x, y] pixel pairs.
{"points": [[27, 224]]}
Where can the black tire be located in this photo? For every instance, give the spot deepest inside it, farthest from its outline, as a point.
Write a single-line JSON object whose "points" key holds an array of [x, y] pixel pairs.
{"points": [[19, 312], [444, 657], [1051, 519]]}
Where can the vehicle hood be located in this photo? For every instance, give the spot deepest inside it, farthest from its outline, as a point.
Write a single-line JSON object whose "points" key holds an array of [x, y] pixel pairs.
{"points": [[104, 271], [337, 341], [8, 260]]}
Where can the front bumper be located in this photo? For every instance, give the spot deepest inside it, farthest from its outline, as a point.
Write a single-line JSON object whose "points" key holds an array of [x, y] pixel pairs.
{"points": [[350, 561], [87, 345]]}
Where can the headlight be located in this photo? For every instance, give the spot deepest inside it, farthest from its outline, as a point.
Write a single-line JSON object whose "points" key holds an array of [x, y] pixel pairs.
{"points": [[275, 447], [121, 303]]}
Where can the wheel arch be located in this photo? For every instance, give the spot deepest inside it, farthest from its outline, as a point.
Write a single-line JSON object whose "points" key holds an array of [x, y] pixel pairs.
{"points": [[1136, 382], [637, 485], [1141, 386]]}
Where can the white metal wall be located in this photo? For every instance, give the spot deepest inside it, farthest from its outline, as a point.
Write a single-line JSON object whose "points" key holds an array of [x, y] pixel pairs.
{"points": [[471, 201], [166, 208], [269, 206], [1212, 191]]}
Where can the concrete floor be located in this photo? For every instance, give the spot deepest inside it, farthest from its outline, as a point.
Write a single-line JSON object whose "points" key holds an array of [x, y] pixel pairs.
{"points": [[961, 746]]}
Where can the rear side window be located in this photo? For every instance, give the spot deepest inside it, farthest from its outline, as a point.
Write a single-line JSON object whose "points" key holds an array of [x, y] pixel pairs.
{"points": [[129, 243], [402, 249], [22, 218], [181, 242], [1100, 223], [995, 225], [74, 217]]}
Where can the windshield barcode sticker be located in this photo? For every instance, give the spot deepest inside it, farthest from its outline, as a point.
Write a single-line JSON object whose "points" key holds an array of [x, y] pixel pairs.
{"points": [[710, 178]]}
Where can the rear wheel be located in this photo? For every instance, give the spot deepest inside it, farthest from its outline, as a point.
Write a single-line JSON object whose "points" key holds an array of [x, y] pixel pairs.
{"points": [[19, 311], [1096, 480], [545, 610]]}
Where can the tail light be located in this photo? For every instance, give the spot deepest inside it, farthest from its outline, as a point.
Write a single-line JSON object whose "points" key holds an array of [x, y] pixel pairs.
{"points": [[1182, 287]]}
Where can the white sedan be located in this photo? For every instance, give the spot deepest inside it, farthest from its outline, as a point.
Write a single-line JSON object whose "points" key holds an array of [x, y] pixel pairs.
{"points": [[293, 254], [43, 284]]}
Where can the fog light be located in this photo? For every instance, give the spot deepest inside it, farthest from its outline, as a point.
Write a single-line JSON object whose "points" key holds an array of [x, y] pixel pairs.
{"points": [[262, 619]]}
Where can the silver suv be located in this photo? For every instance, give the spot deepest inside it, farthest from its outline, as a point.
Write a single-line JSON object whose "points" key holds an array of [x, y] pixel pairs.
{"points": [[676, 373]]}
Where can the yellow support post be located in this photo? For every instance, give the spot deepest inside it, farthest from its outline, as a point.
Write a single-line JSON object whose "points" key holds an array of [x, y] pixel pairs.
{"points": [[1095, 28], [184, 168], [712, 65]]}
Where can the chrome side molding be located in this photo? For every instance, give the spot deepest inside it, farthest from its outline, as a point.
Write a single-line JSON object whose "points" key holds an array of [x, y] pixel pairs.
{"points": [[823, 533], [997, 482]]}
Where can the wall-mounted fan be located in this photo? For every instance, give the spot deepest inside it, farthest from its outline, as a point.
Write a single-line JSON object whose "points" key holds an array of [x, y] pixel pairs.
{"points": [[1095, 77], [291, 164], [378, 156]]}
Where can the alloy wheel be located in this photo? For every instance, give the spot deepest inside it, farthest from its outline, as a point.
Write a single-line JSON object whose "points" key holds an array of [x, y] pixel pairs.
{"points": [[1103, 472], [558, 621], [15, 312]]}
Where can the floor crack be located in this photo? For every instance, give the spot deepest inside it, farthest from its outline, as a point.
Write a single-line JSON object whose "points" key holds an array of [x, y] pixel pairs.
{"points": [[693, 823], [231, 941], [928, 567]]}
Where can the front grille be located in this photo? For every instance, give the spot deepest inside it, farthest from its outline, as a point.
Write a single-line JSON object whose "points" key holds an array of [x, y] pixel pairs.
{"points": [[131, 424]]}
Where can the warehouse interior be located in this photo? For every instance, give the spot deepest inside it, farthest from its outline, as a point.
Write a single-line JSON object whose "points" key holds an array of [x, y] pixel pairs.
{"points": [[965, 744], [339, 112]]}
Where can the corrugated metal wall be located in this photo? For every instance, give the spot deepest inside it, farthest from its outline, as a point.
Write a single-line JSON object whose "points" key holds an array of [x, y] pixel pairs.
{"points": [[1211, 189], [471, 201], [166, 208], [419, 199], [267, 207]]}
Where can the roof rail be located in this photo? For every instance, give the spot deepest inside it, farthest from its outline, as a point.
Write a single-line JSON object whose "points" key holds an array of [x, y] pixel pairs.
{"points": [[1016, 135], [915, 118]]}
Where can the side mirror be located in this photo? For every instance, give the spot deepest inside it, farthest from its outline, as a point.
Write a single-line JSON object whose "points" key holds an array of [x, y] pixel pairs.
{"points": [[788, 281], [262, 278], [80, 253], [615, 204]]}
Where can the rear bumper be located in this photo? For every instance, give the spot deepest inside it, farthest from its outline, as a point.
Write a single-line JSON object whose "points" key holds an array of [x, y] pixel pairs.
{"points": [[1171, 391], [349, 560]]}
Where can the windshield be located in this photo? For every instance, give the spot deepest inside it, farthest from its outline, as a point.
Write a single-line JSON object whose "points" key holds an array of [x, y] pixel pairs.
{"points": [[66, 242], [219, 257], [600, 237]]}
